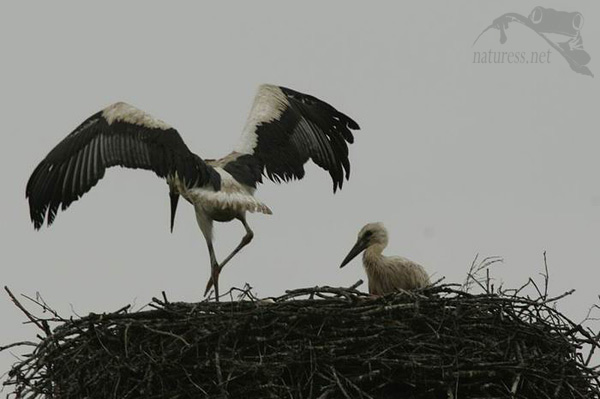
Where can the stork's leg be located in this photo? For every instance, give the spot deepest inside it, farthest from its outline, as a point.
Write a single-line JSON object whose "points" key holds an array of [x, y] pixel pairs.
{"points": [[214, 269], [206, 224], [245, 241]]}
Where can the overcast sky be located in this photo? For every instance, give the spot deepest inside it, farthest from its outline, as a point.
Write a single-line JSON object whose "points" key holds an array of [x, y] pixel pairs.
{"points": [[456, 158]]}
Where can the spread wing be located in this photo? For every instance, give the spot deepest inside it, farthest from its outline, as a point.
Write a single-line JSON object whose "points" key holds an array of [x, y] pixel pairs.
{"points": [[287, 128], [118, 135]]}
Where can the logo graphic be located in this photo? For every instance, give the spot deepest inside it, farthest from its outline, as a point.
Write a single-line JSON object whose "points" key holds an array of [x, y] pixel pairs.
{"points": [[561, 29]]}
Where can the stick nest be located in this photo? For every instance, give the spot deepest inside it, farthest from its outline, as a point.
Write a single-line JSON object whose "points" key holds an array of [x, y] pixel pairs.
{"points": [[322, 342]]}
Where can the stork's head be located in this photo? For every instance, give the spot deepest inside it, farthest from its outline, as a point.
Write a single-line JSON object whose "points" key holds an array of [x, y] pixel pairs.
{"points": [[370, 234]]}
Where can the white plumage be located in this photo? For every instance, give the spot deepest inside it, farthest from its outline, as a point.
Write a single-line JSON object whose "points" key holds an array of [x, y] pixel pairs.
{"points": [[284, 130], [386, 273], [123, 112], [269, 104]]}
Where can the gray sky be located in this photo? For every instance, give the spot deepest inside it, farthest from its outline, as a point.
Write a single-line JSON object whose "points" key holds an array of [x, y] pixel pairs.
{"points": [[456, 158]]}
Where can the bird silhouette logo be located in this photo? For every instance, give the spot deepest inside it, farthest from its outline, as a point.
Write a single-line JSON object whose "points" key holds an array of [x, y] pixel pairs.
{"points": [[561, 29]]}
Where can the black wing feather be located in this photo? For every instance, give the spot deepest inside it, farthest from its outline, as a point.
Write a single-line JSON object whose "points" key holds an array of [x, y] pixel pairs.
{"points": [[304, 128], [78, 162]]}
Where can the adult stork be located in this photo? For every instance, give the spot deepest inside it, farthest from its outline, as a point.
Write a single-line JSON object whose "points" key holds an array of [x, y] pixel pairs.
{"points": [[284, 130], [386, 273]]}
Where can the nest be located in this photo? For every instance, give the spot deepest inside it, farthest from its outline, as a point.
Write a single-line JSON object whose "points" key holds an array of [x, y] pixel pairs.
{"points": [[323, 342]]}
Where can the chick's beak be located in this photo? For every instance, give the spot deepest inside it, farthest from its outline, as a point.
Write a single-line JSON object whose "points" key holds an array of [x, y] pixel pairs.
{"points": [[356, 249]]}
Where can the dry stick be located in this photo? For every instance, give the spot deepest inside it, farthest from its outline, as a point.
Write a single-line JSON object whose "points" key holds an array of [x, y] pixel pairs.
{"points": [[540, 295], [546, 277], [357, 388], [167, 333], [39, 323], [556, 298], [218, 369], [325, 394], [594, 337], [355, 285], [21, 343], [41, 303], [515, 384], [466, 285], [339, 383]]}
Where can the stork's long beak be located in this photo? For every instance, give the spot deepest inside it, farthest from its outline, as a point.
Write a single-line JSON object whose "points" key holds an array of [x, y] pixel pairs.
{"points": [[174, 201], [360, 246]]}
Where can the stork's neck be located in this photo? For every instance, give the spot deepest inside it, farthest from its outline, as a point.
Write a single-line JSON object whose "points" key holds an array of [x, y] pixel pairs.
{"points": [[373, 254]]}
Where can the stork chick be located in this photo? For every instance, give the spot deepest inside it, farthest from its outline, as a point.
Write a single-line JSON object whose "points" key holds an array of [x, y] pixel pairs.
{"points": [[386, 273]]}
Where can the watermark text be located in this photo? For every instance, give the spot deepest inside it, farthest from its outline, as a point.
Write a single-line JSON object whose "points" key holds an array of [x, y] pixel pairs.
{"points": [[511, 57]]}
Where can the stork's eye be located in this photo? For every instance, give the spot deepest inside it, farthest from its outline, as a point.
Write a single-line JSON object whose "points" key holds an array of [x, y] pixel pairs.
{"points": [[368, 234]]}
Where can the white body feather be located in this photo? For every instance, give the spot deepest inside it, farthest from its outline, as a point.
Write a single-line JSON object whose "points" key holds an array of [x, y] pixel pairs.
{"points": [[232, 197], [390, 273]]}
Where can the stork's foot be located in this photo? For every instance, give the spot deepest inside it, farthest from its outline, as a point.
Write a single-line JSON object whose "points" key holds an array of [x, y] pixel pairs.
{"points": [[208, 286], [245, 241], [215, 270], [214, 280]]}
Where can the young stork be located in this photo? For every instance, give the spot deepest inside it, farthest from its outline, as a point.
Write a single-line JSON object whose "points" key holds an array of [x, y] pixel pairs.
{"points": [[284, 130], [386, 273]]}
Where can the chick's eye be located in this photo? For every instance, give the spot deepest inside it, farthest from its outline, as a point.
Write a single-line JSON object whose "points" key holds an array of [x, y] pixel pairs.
{"points": [[368, 234]]}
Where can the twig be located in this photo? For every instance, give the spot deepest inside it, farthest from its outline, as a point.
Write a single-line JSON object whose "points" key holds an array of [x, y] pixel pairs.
{"points": [[38, 322], [14, 344]]}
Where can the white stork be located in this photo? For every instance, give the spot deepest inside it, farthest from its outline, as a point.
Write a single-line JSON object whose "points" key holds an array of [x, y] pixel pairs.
{"points": [[284, 130], [386, 273]]}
